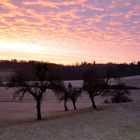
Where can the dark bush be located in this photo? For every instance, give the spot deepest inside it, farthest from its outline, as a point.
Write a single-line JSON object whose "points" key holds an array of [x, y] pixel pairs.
{"points": [[117, 94], [120, 96]]}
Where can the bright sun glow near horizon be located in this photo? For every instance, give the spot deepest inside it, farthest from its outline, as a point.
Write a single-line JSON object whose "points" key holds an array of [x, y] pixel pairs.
{"points": [[67, 32]]}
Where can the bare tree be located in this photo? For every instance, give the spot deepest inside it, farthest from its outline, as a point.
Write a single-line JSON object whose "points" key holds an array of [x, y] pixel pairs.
{"points": [[74, 93], [63, 96], [45, 80], [93, 85], [69, 93]]}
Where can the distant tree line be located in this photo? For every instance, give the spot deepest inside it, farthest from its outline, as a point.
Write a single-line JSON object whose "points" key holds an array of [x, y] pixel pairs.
{"points": [[74, 72]]}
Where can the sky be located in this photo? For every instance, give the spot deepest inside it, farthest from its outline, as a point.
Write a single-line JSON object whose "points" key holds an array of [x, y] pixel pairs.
{"points": [[70, 31]]}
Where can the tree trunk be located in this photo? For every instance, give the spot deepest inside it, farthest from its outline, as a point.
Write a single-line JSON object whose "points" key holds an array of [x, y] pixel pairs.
{"points": [[38, 107], [74, 105], [93, 102], [65, 105]]}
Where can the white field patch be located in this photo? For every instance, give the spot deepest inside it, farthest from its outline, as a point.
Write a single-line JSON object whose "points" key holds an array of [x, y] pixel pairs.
{"points": [[130, 81]]}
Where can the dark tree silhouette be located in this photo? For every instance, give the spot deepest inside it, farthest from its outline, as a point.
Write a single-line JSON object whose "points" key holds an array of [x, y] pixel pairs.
{"points": [[45, 81], [118, 93], [63, 96], [93, 85], [69, 93], [74, 93]]}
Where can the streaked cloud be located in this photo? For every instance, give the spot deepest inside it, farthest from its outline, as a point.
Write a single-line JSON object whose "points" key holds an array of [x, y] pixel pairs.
{"points": [[105, 30]]}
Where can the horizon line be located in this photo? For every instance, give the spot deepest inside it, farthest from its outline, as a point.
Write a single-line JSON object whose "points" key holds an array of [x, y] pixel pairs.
{"points": [[72, 64]]}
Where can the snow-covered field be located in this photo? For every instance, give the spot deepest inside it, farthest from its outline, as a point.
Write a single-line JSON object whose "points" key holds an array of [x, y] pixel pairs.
{"points": [[130, 81], [111, 122]]}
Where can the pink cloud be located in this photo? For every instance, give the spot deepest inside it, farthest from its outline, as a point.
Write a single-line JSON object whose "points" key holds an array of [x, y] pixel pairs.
{"points": [[91, 27]]}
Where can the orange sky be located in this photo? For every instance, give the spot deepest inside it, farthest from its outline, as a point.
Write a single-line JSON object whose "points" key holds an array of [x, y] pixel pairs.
{"points": [[63, 31]]}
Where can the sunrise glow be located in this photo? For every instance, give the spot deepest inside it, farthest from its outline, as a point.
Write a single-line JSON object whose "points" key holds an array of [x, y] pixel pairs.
{"points": [[67, 32]]}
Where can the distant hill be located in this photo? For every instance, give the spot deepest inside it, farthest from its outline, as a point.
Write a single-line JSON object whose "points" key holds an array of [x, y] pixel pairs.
{"points": [[71, 72], [5, 73]]}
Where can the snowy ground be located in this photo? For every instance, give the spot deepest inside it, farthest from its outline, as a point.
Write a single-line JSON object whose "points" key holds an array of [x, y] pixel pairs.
{"points": [[130, 81], [110, 122]]}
